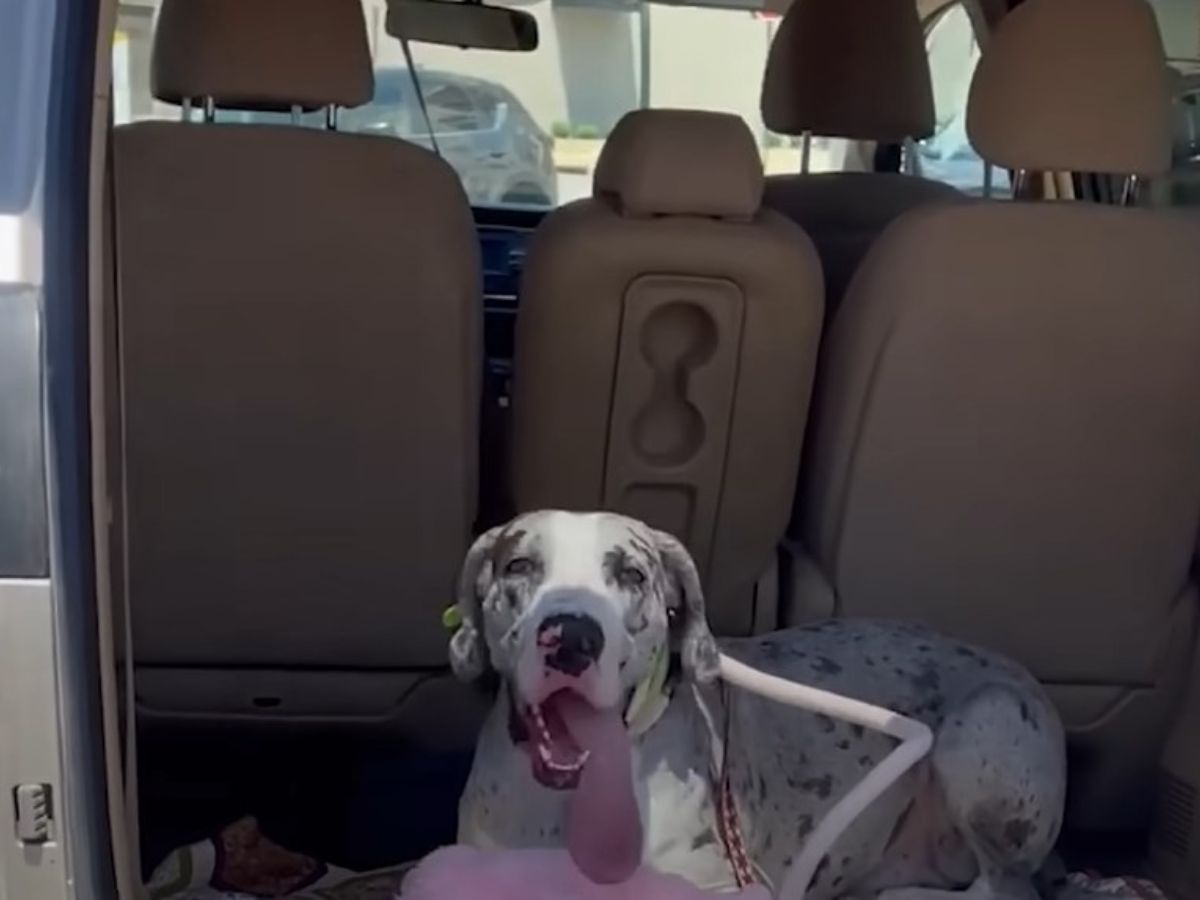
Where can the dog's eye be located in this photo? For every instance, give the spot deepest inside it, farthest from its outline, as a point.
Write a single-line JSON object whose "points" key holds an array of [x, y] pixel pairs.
{"points": [[631, 578], [519, 565]]}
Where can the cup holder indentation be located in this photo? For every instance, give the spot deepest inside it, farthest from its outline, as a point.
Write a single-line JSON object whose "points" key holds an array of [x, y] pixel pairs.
{"points": [[677, 338], [678, 335]]}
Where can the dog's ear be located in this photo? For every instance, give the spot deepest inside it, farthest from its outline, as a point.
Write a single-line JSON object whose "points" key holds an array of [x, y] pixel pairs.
{"points": [[468, 647], [697, 646]]}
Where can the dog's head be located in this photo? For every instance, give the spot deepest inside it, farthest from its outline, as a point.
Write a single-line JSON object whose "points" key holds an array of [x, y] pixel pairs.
{"points": [[582, 603]]}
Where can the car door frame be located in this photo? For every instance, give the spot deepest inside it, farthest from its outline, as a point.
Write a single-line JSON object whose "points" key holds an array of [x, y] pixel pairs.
{"points": [[52, 759]]}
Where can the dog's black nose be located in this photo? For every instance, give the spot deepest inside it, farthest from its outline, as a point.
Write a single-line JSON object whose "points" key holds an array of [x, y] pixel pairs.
{"points": [[570, 642]]}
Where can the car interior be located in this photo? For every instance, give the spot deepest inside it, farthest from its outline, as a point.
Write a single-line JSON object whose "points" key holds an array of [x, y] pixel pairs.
{"points": [[855, 389]]}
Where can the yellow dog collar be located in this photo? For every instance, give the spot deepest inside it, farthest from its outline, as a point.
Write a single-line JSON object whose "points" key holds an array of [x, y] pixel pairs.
{"points": [[650, 698]]}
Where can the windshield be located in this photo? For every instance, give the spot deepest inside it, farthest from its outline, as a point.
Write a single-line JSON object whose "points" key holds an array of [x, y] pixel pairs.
{"points": [[525, 129], [597, 61]]}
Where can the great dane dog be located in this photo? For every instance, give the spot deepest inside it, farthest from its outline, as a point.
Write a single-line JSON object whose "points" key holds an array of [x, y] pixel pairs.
{"points": [[594, 604]]}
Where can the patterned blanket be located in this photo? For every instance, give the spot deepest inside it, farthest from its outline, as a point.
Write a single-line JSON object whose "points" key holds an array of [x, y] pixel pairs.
{"points": [[241, 863], [1094, 886]]}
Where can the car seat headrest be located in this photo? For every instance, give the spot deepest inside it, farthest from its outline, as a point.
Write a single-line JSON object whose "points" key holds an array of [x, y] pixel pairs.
{"points": [[665, 162], [850, 69], [262, 54], [1074, 85]]}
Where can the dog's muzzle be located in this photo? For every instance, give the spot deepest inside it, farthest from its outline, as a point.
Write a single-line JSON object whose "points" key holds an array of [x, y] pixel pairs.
{"points": [[569, 652]]}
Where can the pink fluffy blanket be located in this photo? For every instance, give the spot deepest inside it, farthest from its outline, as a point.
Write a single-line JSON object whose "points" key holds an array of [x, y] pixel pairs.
{"points": [[602, 860]]}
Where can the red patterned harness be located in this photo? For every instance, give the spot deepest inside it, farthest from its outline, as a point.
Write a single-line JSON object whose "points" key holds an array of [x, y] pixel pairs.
{"points": [[728, 827]]}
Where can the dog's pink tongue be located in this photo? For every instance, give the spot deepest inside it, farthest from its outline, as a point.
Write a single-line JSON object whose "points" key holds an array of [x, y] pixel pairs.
{"points": [[604, 831]]}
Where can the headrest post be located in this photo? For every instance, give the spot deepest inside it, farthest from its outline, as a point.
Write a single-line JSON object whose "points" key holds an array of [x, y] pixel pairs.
{"points": [[1129, 190], [987, 180], [210, 110], [911, 159], [1020, 177], [805, 151], [185, 110], [331, 117]]}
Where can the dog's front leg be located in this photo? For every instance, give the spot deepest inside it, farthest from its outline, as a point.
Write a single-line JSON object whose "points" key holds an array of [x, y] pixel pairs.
{"points": [[480, 823], [502, 807]]}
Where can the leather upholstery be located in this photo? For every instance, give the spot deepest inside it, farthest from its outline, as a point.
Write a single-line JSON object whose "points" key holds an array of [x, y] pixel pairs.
{"points": [[262, 54], [664, 363], [832, 74], [829, 75], [1074, 85], [299, 330], [681, 163]]}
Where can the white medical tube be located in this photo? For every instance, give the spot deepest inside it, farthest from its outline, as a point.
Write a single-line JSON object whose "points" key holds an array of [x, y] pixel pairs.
{"points": [[915, 742]]}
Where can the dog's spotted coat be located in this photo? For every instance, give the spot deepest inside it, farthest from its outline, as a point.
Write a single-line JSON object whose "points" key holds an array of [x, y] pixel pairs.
{"points": [[978, 817]]}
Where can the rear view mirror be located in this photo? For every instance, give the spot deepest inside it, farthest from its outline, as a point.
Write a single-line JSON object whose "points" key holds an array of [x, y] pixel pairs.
{"points": [[462, 23]]}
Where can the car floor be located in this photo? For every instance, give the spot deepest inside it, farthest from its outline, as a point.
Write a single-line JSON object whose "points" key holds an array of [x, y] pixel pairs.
{"points": [[354, 803], [1110, 854], [362, 804]]}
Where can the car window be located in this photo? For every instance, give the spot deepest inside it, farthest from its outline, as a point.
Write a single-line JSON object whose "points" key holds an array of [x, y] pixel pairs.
{"points": [[526, 128], [23, 91], [600, 58], [1181, 187], [953, 48], [1179, 25]]}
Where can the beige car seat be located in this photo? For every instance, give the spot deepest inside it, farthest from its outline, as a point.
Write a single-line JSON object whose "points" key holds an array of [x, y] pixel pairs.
{"points": [[665, 351], [830, 75], [300, 349], [1006, 442]]}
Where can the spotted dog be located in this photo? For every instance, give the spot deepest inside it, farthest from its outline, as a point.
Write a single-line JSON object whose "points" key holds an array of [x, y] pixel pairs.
{"points": [[597, 604]]}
